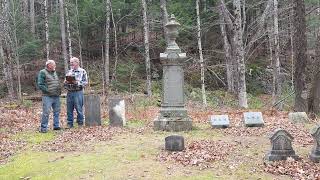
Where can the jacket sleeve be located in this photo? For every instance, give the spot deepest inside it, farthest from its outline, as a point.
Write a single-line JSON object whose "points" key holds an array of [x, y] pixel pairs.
{"points": [[42, 82]]}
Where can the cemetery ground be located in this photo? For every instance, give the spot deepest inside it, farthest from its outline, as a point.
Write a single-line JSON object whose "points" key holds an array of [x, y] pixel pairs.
{"points": [[137, 151]]}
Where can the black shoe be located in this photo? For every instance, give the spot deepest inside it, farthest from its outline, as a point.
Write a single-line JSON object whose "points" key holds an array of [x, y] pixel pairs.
{"points": [[69, 127], [57, 128], [43, 131]]}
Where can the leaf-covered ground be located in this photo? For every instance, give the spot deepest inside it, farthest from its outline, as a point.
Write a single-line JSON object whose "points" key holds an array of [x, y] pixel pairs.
{"points": [[232, 153]]}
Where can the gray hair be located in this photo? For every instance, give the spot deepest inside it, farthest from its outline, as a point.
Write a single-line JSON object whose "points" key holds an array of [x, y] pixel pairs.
{"points": [[50, 62], [75, 59]]}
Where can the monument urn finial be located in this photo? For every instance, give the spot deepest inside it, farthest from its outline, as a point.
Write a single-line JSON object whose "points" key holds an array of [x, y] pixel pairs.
{"points": [[172, 32]]}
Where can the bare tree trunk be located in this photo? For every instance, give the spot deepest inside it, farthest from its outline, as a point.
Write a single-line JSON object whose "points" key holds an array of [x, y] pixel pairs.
{"points": [[204, 5], [68, 30], [6, 48], [33, 28], [314, 94], [107, 46], [79, 34], [239, 55], [292, 51], [146, 46], [114, 75], [204, 99], [163, 6], [276, 94], [25, 8], [46, 28], [15, 49], [300, 49], [228, 55], [63, 36]]}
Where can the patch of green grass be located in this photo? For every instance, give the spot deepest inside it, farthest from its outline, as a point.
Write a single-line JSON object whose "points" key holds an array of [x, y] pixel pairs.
{"points": [[254, 102], [203, 131], [127, 156], [27, 103], [11, 105], [135, 123], [35, 137], [3, 130], [105, 122]]}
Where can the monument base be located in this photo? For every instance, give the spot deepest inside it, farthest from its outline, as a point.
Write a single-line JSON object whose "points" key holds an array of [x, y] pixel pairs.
{"points": [[315, 157], [281, 155], [172, 124]]}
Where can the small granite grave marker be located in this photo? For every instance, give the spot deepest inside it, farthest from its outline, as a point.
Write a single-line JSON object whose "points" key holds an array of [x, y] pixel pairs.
{"points": [[253, 119], [281, 146], [298, 117], [174, 143], [315, 153], [219, 121]]}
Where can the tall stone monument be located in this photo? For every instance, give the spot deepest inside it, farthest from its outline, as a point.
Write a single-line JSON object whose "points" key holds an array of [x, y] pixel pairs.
{"points": [[173, 114]]}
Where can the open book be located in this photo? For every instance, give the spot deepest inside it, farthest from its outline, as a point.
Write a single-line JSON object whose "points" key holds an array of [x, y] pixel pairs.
{"points": [[70, 79]]}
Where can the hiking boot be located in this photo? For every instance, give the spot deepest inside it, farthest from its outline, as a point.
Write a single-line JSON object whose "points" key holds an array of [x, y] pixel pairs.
{"points": [[57, 128]]}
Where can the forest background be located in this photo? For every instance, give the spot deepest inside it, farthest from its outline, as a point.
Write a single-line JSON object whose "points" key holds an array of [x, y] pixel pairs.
{"points": [[244, 47]]}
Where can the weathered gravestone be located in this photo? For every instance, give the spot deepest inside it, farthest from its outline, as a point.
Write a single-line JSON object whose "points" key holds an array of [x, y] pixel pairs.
{"points": [[315, 153], [173, 114], [117, 112], [281, 146], [174, 143], [298, 117], [253, 119], [219, 121], [92, 110]]}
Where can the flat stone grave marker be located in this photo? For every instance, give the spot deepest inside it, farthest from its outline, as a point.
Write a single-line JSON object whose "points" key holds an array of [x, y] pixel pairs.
{"points": [[253, 119], [315, 153], [174, 143], [92, 110], [298, 117], [281, 146], [117, 112], [219, 121]]}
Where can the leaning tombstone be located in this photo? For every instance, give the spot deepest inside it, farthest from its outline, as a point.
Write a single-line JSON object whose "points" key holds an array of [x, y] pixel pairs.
{"points": [[219, 121], [174, 143], [253, 119], [117, 112], [281, 146], [92, 110], [298, 117], [315, 153]]}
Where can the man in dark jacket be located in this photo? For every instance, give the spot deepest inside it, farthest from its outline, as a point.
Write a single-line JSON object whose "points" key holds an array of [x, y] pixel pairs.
{"points": [[48, 83]]}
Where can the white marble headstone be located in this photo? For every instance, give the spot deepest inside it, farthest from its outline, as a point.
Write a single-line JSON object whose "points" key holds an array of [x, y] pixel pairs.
{"points": [[253, 119], [219, 121]]}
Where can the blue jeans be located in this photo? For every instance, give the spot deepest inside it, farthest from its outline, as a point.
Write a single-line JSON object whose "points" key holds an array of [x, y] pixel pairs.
{"points": [[47, 103], [75, 101]]}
